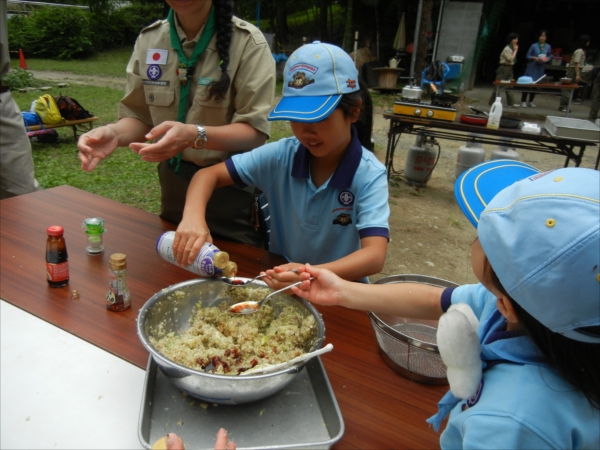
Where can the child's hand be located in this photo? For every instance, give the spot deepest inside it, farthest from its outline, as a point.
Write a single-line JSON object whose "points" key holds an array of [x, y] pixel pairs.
{"points": [[325, 289], [189, 239], [281, 276]]}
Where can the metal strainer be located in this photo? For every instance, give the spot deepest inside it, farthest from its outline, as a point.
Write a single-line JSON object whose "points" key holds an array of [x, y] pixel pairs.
{"points": [[409, 346]]}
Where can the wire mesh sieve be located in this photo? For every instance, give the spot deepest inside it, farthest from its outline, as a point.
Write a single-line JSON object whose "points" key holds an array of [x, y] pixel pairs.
{"points": [[407, 345]]}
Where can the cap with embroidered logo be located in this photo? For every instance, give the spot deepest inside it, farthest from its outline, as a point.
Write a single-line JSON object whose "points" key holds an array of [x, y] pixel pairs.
{"points": [[314, 79], [541, 235]]}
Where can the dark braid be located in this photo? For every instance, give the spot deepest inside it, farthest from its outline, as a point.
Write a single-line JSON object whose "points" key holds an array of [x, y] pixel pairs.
{"points": [[223, 15], [364, 124]]}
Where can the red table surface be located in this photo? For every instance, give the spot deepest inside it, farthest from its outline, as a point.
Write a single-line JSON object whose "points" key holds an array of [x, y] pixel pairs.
{"points": [[381, 409]]}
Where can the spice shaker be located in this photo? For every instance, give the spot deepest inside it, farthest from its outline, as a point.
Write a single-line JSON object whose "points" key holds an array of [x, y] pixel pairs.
{"points": [[57, 259], [210, 261], [118, 297], [94, 227]]}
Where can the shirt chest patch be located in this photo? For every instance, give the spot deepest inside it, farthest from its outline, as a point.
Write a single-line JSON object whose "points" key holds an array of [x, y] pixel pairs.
{"points": [[205, 81], [157, 56]]}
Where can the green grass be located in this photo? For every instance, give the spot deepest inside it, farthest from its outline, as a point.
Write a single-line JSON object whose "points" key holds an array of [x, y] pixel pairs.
{"points": [[122, 176], [106, 64]]}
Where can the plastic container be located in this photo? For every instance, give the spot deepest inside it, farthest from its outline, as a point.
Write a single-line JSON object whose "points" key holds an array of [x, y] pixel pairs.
{"points": [[210, 261], [57, 258], [495, 114]]}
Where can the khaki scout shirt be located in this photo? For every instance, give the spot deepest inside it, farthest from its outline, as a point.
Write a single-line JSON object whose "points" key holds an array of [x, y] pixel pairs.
{"points": [[152, 91], [506, 55], [578, 58]]}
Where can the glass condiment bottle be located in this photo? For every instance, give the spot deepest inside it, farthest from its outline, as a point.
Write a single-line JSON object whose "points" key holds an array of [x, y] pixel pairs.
{"points": [[94, 227], [57, 258], [118, 298]]}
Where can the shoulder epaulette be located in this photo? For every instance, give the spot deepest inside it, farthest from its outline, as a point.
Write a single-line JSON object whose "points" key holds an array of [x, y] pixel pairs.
{"points": [[153, 25]]}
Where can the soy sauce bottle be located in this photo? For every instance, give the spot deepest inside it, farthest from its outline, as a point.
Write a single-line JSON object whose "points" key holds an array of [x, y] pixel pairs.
{"points": [[57, 264]]}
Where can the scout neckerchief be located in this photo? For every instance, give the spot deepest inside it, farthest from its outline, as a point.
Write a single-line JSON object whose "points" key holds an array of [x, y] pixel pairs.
{"points": [[185, 72]]}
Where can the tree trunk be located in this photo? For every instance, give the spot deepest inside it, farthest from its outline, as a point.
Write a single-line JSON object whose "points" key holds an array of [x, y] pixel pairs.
{"points": [[323, 32], [348, 43], [421, 58], [282, 26]]}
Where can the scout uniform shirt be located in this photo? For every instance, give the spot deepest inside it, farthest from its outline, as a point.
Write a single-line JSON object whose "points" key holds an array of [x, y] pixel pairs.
{"points": [[153, 87]]}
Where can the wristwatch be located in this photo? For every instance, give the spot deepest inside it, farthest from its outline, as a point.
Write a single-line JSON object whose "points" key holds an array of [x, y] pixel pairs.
{"points": [[201, 140]]}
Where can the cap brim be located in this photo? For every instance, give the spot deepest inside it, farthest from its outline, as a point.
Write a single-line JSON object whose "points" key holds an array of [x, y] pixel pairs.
{"points": [[477, 186], [305, 109]]}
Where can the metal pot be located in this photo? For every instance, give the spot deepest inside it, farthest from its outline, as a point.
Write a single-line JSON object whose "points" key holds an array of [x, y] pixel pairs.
{"points": [[165, 312], [412, 92]]}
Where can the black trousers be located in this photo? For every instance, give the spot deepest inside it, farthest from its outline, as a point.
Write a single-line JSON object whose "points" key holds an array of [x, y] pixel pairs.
{"points": [[229, 210]]}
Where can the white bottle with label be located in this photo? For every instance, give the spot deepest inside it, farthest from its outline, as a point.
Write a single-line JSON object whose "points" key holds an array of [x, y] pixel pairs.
{"points": [[495, 114]]}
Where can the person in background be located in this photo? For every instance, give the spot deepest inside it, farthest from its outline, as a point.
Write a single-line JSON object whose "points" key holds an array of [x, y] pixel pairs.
{"points": [[327, 194], [574, 71], [522, 347], [537, 55], [508, 58], [16, 161], [595, 97], [200, 85]]}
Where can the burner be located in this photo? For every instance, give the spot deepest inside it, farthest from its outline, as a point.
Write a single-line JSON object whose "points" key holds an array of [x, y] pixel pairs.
{"points": [[408, 100]]}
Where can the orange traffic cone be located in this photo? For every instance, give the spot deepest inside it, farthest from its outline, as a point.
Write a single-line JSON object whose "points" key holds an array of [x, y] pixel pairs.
{"points": [[23, 64]]}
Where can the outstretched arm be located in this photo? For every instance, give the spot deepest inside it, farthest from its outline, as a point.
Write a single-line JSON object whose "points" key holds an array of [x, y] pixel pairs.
{"points": [[419, 301], [192, 231]]}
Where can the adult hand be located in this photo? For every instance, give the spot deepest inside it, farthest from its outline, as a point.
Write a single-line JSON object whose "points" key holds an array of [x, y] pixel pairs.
{"points": [[95, 145], [325, 289], [176, 137], [515, 48], [189, 238], [280, 276], [223, 441]]}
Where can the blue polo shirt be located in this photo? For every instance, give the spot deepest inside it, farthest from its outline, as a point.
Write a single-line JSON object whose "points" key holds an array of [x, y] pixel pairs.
{"points": [[522, 403], [310, 225]]}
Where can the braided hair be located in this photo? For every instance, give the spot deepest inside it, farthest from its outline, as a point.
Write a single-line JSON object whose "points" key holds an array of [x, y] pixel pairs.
{"points": [[223, 15]]}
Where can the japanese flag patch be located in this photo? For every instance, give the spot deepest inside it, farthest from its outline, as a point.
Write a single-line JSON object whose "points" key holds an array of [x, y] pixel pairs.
{"points": [[157, 56]]}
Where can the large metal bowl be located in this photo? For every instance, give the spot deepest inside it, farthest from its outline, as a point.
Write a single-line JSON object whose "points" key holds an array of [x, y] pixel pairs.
{"points": [[173, 312]]}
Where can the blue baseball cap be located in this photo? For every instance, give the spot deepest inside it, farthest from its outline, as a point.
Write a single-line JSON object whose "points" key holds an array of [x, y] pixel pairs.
{"points": [[314, 79], [541, 235]]}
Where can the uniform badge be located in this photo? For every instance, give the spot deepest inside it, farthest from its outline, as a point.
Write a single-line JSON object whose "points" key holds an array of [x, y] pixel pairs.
{"points": [[351, 83], [346, 198], [182, 74], [154, 72], [343, 220], [157, 56], [473, 400]]}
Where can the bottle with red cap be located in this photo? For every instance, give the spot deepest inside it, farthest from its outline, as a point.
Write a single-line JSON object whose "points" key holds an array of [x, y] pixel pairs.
{"points": [[57, 259]]}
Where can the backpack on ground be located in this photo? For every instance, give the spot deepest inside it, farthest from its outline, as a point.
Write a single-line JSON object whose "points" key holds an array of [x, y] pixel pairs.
{"points": [[43, 135], [31, 119], [48, 111], [70, 108]]}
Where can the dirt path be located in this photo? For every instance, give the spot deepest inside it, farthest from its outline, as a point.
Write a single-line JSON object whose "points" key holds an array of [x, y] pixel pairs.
{"points": [[429, 234]]}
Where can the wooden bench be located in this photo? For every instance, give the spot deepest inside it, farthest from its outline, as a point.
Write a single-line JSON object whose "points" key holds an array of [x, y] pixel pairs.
{"points": [[83, 125]]}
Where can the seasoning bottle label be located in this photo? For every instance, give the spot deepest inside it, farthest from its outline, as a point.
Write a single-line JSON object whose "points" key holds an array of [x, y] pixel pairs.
{"points": [[118, 293], [57, 272], [207, 262]]}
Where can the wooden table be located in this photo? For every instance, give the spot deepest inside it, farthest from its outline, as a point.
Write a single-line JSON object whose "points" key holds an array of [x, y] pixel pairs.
{"points": [[381, 409], [538, 88], [459, 131]]}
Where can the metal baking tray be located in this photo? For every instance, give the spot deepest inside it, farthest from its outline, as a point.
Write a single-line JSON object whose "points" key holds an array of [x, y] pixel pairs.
{"points": [[575, 129], [304, 414]]}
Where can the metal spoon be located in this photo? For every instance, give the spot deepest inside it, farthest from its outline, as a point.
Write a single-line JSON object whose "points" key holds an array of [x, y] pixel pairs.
{"points": [[283, 365], [249, 307], [237, 282]]}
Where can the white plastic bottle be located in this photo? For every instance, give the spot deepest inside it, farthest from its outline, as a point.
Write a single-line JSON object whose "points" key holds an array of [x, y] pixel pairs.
{"points": [[495, 114]]}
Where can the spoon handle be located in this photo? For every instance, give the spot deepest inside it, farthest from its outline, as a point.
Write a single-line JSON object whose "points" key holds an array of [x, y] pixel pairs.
{"points": [[275, 367], [284, 289]]}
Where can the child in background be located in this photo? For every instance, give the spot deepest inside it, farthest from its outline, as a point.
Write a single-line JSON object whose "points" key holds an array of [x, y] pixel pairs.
{"points": [[532, 324], [327, 194]]}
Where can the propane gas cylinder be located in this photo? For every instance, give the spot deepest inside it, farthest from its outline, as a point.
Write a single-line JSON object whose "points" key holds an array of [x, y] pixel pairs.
{"points": [[469, 155], [505, 151], [421, 160]]}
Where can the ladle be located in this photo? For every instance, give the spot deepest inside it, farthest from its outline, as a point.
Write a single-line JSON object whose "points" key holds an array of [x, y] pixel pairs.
{"points": [[283, 365], [249, 307]]}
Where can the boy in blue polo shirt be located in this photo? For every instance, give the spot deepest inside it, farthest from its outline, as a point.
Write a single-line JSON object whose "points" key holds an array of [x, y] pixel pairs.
{"points": [[327, 194]]}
